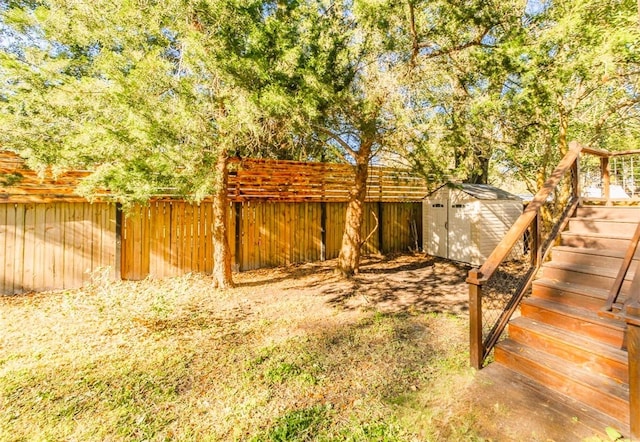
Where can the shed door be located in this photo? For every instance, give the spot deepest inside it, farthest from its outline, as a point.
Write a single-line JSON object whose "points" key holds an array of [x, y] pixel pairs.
{"points": [[460, 245], [436, 220]]}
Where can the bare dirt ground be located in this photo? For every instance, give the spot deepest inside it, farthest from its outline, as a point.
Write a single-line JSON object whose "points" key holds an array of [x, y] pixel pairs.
{"points": [[393, 284]]}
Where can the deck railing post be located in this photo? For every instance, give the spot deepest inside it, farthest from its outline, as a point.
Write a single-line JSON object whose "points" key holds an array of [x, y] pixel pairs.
{"points": [[536, 243], [575, 178], [606, 180], [476, 349]]}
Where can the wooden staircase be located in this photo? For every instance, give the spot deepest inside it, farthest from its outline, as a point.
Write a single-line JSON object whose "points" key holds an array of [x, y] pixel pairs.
{"points": [[561, 340]]}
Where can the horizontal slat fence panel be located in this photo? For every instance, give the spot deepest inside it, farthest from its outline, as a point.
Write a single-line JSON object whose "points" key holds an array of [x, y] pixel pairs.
{"points": [[46, 246], [293, 181], [170, 238], [250, 179]]}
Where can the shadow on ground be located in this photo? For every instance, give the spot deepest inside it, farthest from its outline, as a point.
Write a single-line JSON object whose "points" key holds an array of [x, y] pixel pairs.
{"points": [[412, 283]]}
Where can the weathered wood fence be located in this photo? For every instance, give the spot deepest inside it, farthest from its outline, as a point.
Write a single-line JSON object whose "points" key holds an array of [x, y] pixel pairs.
{"points": [[47, 246], [280, 212], [170, 238]]}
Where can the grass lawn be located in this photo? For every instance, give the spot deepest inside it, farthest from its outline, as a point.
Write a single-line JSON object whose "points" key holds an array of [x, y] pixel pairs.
{"points": [[290, 354]]}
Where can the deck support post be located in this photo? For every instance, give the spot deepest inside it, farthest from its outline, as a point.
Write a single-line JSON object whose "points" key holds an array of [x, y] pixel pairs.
{"points": [[632, 317], [633, 349], [476, 348]]}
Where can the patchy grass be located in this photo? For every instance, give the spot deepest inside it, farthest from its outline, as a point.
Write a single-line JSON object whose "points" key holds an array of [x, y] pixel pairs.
{"points": [[290, 354]]}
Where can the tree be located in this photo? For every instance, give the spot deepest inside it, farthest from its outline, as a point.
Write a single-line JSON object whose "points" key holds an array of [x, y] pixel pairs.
{"points": [[575, 76], [534, 76], [351, 97], [142, 94], [464, 79]]}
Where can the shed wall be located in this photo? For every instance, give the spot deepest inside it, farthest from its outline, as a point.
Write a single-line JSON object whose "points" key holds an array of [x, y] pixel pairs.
{"points": [[468, 233], [495, 219]]}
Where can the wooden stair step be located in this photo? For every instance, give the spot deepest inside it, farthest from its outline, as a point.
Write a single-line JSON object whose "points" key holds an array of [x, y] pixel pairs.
{"points": [[600, 392], [588, 354], [609, 213], [571, 294], [575, 319], [595, 240], [602, 226], [520, 403], [592, 257], [599, 277]]}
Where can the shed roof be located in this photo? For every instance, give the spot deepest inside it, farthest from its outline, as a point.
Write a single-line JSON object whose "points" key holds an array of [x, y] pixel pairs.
{"points": [[481, 191]]}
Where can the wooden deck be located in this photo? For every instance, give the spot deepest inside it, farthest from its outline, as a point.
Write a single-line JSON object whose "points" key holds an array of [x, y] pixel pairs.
{"points": [[520, 409]]}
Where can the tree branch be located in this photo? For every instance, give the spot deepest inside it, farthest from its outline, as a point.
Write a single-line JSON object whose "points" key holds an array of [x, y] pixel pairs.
{"points": [[337, 138], [372, 230], [447, 51]]}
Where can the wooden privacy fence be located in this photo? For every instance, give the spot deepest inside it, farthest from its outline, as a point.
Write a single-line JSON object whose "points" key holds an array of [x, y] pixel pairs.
{"points": [[47, 246], [280, 212], [170, 238]]}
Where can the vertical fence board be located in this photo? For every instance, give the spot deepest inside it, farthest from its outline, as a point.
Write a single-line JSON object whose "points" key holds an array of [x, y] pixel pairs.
{"points": [[180, 237], [18, 263], [3, 244], [10, 249], [273, 232], [195, 240], [281, 237], [259, 207], [136, 246], [80, 246], [253, 237], [288, 235], [145, 242], [95, 231], [103, 226], [188, 236], [74, 278], [87, 244], [57, 237], [109, 256], [167, 247], [156, 247], [127, 246], [39, 247], [28, 260], [199, 226]]}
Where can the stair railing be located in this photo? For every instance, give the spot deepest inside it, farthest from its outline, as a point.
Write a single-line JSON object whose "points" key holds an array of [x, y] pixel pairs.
{"points": [[612, 307], [599, 178], [498, 286]]}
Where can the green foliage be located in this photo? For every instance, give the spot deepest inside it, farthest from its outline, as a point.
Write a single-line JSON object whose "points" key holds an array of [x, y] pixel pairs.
{"points": [[297, 425], [376, 431], [148, 95], [10, 179], [537, 78]]}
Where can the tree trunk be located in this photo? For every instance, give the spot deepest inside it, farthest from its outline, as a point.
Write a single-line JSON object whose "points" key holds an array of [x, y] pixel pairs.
{"points": [[221, 253], [480, 172], [349, 258]]}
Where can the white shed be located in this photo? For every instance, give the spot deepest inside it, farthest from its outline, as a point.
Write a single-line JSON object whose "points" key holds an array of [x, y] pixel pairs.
{"points": [[465, 222]]}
